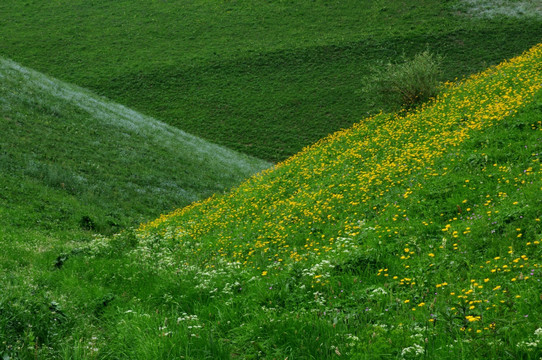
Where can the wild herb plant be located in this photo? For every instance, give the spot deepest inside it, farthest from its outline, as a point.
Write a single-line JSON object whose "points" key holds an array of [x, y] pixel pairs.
{"points": [[410, 83]]}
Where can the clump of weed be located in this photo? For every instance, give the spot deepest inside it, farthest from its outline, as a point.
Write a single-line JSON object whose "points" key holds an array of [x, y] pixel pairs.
{"points": [[410, 82]]}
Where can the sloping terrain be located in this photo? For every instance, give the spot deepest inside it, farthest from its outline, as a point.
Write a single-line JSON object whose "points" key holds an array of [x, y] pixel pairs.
{"points": [[407, 236], [264, 78], [117, 165], [73, 164]]}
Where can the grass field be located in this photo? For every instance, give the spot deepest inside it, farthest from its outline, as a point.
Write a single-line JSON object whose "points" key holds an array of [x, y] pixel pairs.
{"points": [[264, 78], [73, 164], [406, 236], [71, 159]]}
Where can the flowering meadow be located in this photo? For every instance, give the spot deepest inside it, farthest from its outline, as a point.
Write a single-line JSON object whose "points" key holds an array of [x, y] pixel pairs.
{"points": [[409, 235], [414, 235]]}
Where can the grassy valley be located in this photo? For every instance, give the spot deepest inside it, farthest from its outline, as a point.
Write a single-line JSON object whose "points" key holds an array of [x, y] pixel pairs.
{"points": [[118, 166], [74, 164], [380, 233]]}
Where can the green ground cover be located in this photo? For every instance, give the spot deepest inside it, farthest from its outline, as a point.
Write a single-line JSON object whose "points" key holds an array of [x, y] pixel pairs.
{"points": [[407, 236], [265, 78], [69, 158]]}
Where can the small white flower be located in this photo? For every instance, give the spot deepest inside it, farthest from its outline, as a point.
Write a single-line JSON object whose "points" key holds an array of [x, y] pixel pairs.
{"points": [[414, 350]]}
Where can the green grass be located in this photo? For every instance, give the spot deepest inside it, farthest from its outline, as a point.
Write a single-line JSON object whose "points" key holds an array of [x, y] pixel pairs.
{"points": [[73, 164], [264, 78], [407, 236], [70, 159], [299, 262]]}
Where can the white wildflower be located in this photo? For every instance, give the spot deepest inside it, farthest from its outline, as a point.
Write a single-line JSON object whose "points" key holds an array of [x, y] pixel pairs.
{"points": [[412, 351]]}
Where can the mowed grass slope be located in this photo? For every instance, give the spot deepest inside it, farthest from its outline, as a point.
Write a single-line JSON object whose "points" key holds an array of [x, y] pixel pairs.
{"points": [[405, 236], [265, 78], [103, 166]]}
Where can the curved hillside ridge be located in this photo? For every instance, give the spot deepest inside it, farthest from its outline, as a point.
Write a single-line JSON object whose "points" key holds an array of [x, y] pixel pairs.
{"points": [[40, 87]]}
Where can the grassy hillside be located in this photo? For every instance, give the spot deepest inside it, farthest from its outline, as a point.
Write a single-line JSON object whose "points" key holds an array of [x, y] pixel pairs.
{"points": [[70, 159], [406, 236], [265, 78], [73, 164]]}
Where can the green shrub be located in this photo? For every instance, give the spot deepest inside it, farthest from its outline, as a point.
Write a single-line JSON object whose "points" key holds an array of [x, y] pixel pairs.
{"points": [[411, 82]]}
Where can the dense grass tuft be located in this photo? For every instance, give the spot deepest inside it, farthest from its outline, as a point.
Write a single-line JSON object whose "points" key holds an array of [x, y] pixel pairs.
{"points": [[410, 83]]}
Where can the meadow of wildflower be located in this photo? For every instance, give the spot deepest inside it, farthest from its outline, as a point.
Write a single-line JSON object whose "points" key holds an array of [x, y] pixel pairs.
{"points": [[409, 235], [406, 235]]}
